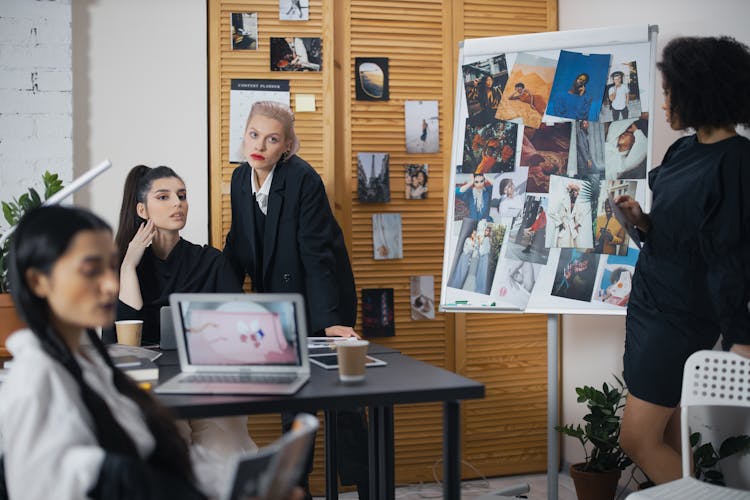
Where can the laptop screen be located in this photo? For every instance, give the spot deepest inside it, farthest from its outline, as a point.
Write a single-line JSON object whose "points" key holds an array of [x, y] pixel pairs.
{"points": [[239, 331]]}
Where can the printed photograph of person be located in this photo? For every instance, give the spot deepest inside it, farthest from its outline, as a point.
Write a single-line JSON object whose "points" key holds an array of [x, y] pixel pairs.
{"points": [[610, 237], [616, 276], [371, 78], [579, 82], [528, 233], [621, 95], [569, 218], [507, 194], [473, 197], [545, 150], [294, 10], [515, 280], [490, 147], [373, 182], [476, 255], [484, 82], [527, 90], [625, 149], [244, 30], [296, 54], [422, 297], [378, 319], [589, 148], [576, 274], [386, 237], [415, 181], [421, 126]]}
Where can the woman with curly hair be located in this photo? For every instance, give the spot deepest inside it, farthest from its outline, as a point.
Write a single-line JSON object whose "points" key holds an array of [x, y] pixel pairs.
{"points": [[692, 279]]}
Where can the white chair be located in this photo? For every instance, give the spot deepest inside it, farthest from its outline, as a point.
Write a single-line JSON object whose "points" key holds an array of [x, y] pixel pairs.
{"points": [[711, 378]]}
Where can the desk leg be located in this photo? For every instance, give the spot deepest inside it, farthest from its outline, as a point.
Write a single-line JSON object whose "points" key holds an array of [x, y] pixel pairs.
{"points": [[382, 467], [332, 484], [451, 450]]}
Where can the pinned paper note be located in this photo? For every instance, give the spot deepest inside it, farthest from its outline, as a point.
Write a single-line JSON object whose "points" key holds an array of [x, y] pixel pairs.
{"points": [[304, 102]]}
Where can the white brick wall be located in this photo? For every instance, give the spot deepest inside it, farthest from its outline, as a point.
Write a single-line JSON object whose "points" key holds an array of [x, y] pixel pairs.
{"points": [[36, 83]]}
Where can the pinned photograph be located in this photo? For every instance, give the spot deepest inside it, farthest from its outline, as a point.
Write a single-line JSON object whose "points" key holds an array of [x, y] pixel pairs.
{"points": [[422, 297], [589, 148], [421, 122], [484, 82], [373, 182], [527, 89], [386, 236], [476, 254], [626, 148], [490, 147], [570, 208], [579, 82], [296, 54], [294, 10], [473, 197], [507, 194], [244, 30], [528, 233], [415, 181], [515, 280], [610, 237], [545, 151], [371, 78], [378, 318], [622, 97], [616, 280], [576, 274]]}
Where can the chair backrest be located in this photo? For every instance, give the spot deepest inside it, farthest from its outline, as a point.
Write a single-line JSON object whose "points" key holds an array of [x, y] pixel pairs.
{"points": [[712, 378]]}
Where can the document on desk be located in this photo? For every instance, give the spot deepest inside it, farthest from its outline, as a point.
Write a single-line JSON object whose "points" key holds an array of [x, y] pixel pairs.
{"points": [[119, 350]]}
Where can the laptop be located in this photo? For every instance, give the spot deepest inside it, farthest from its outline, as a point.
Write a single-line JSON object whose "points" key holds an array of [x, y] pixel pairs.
{"points": [[239, 344], [167, 340]]}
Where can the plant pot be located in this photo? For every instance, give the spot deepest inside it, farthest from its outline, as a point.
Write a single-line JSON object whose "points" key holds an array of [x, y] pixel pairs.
{"points": [[9, 321], [594, 485]]}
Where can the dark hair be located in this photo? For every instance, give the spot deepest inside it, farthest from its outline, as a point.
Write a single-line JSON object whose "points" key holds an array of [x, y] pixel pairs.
{"points": [[707, 79], [422, 171], [43, 235], [617, 73], [520, 84], [583, 74], [535, 160], [137, 185], [616, 273], [503, 184]]}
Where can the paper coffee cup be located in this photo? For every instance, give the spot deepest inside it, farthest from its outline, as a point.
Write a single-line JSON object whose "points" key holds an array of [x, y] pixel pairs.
{"points": [[352, 355], [129, 331]]}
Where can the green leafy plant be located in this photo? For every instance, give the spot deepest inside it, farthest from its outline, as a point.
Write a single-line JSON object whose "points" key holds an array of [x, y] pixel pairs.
{"points": [[14, 210], [600, 436], [706, 458]]}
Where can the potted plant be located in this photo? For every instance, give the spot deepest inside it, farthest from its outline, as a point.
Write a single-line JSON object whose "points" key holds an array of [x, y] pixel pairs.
{"points": [[13, 211], [597, 477]]}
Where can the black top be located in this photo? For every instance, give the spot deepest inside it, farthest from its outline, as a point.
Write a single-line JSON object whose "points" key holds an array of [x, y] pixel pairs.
{"points": [[695, 265], [189, 268], [303, 248]]}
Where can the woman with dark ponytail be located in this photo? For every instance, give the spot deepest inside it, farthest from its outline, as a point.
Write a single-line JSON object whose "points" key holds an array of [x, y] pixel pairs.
{"points": [[73, 425]]}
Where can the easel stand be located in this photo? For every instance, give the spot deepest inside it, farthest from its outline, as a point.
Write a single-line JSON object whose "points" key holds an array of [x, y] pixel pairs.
{"points": [[553, 416]]}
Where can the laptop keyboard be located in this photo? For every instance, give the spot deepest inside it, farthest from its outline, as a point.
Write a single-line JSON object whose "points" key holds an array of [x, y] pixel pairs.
{"points": [[231, 378]]}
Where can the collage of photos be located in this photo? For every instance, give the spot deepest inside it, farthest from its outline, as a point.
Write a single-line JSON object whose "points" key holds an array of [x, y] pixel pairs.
{"points": [[548, 145]]}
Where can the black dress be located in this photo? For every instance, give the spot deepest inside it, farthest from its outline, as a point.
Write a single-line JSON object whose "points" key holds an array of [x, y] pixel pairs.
{"points": [[691, 281], [189, 268]]}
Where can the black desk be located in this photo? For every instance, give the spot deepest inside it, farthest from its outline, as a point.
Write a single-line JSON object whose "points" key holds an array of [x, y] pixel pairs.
{"points": [[404, 380]]}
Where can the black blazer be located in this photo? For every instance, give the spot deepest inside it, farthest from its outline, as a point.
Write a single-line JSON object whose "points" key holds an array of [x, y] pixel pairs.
{"points": [[303, 246]]}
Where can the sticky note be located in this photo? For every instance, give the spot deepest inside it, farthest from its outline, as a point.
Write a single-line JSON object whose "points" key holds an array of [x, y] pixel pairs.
{"points": [[304, 102]]}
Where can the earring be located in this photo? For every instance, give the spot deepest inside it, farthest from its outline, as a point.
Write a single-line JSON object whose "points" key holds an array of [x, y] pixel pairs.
{"points": [[285, 156]]}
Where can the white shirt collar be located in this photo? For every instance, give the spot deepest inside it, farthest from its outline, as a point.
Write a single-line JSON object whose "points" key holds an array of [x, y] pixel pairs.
{"points": [[261, 194]]}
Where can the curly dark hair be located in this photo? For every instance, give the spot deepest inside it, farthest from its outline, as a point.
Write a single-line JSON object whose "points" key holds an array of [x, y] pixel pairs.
{"points": [[707, 79]]}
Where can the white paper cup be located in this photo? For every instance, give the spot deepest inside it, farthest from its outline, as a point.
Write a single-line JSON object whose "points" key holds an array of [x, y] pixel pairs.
{"points": [[129, 331], [352, 356]]}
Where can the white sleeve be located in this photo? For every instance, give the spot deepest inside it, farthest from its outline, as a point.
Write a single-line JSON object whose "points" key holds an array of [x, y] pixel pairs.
{"points": [[637, 152], [48, 446]]}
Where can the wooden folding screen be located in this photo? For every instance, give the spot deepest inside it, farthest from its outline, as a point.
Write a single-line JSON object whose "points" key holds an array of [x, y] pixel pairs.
{"points": [[504, 433]]}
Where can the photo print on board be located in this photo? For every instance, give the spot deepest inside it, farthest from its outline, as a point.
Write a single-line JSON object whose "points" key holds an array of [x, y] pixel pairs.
{"points": [[626, 148], [589, 150], [415, 181], [515, 280], [579, 82], [575, 275], [244, 30], [373, 180], [616, 280], [527, 89], [475, 256], [473, 197], [508, 194], [371, 78], [484, 82], [569, 215], [421, 123], [528, 233], [490, 147], [378, 318], [545, 151], [294, 10], [386, 237], [422, 297], [610, 237], [622, 97], [296, 54]]}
